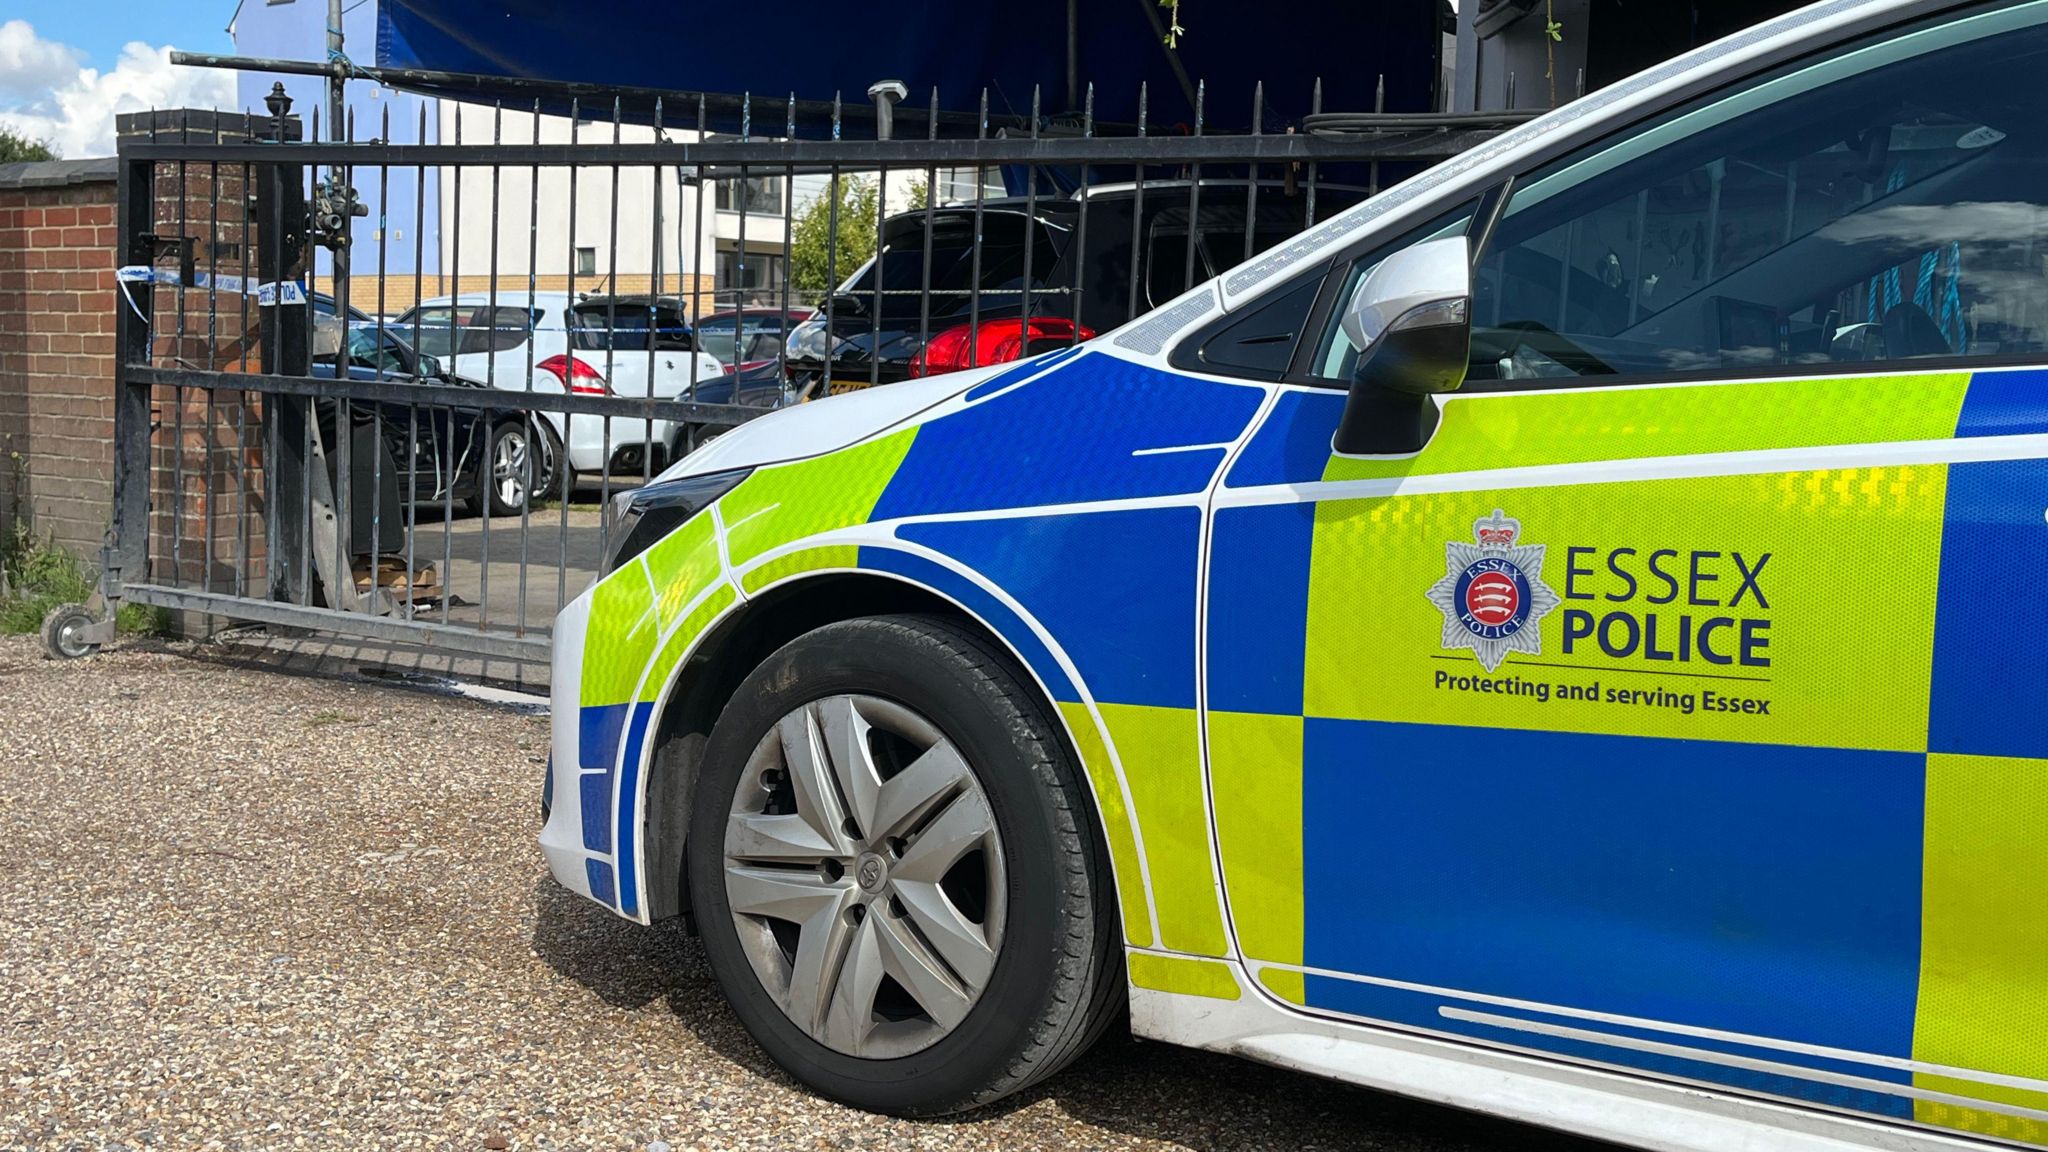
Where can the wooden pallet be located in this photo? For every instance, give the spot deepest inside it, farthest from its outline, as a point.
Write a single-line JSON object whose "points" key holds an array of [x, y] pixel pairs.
{"points": [[392, 576]]}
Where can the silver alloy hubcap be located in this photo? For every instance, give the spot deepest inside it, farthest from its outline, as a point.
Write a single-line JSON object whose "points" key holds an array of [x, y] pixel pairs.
{"points": [[865, 876], [508, 469]]}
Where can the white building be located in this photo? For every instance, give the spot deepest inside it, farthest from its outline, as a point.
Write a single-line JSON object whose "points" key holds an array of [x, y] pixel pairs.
{"points": [[669, 234]]}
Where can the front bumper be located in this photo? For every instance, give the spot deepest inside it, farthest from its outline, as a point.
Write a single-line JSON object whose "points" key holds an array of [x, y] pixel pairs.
{"points": [[616, 647], [588, 448], [576, 835]]}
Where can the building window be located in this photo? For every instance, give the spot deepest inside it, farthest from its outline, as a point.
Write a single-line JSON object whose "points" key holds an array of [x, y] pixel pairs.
{"points": [[957, 185], [757, 281], [586, 261], [763, 196]]}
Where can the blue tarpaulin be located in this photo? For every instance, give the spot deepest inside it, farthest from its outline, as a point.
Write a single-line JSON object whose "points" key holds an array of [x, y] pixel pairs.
{"points": [[815, 49]]}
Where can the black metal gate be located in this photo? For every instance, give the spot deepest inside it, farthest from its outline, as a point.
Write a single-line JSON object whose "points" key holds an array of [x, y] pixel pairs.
{"points": [[291, 453]]}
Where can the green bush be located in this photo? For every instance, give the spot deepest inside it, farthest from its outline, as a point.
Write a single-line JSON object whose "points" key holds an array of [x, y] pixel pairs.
{"points": [[40, 576], [16, 147]]}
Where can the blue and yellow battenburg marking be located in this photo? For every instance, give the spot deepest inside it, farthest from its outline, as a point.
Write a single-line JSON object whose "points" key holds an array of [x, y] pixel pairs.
{"points": [[1740, 788], [1747, 755], [1128, 627]]}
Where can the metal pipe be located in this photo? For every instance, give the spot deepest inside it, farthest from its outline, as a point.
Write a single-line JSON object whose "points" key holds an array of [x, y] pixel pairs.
{"points": [[436, 81], [819, 157], [440, 636], [885, 94], [337, 111], [337, 74]]}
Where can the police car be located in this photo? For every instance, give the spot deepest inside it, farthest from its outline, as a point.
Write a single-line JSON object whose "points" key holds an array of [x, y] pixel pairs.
{"points": [[1586, 675]]}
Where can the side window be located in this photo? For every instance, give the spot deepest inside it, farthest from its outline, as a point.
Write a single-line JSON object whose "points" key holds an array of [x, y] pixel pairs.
{"points": [[672, 330], [497, 329], [435, 327], [893, 281], [365, 349], [1227, 213], [1259, 339], [608, 325], [1261, 343], [1883, 205], [1166, 257]]}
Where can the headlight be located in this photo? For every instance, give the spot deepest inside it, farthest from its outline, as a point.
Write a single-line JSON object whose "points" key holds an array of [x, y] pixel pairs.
{"points": [[638, 517]]}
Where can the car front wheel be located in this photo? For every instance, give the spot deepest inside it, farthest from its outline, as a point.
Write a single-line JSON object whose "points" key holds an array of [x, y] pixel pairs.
{"points": [[897, 881], [508, 470]]}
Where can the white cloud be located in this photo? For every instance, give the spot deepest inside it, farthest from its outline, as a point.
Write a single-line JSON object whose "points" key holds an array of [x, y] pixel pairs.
{"points": [[74, 108], [31, 65]]}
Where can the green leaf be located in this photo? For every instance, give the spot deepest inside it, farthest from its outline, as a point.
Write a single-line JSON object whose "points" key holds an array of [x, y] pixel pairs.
{"points": [[814, 259], [15, 147]]}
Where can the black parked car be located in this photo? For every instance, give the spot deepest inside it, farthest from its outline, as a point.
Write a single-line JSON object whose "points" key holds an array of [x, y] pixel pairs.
{"points": [[758, 385], [435, 454], [880, 327]]}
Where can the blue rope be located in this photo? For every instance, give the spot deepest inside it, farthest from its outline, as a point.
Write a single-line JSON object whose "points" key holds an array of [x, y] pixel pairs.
{"points": [[337, 56]]}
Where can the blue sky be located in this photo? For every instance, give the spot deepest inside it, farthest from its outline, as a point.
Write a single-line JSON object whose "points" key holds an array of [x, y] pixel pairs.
{"points": [[99, 28], [68, 67]]}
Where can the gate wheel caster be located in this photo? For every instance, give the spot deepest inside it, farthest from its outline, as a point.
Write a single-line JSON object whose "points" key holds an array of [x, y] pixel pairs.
{"points": [[71, 633]]}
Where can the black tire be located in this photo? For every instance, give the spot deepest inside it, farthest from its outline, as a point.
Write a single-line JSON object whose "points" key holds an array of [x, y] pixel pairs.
{"points": [[515, 436], [694, 436], [1058, 976], [62, 633], [547, 479]]}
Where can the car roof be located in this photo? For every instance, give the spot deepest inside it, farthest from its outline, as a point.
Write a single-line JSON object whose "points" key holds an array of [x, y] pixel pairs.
{"points": [[506, 298], [602, 299]]}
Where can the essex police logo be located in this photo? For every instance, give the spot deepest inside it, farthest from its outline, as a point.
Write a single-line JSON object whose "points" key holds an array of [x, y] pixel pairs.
{"points": [[1492, 594]]}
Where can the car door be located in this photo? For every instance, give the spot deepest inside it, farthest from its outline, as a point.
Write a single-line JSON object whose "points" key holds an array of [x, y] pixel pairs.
{"points": [[1669, 706]]}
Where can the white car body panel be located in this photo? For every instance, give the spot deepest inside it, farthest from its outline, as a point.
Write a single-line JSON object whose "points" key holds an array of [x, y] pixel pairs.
{"points": [[1617, 1104]]}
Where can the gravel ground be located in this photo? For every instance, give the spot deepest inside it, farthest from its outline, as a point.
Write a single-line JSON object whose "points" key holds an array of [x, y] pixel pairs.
{"points": [[241, 910]]}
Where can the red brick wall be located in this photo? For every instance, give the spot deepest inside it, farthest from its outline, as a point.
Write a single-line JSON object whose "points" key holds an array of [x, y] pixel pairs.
{"points": [[206, 497], [57, 299]]}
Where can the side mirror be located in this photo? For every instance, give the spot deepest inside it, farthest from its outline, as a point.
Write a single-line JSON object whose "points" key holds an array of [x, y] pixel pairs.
{"points": [[1411, 320]]}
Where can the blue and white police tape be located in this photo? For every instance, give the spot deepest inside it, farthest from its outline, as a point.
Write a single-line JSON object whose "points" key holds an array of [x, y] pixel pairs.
{"points": [[265, 292]]}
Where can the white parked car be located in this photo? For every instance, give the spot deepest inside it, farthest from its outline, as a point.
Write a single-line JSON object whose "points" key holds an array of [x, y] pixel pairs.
{"points": [[633, 346]]}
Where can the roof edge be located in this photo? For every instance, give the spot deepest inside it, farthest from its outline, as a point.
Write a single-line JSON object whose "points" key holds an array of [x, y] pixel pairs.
{"points": [[25, 174]]}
